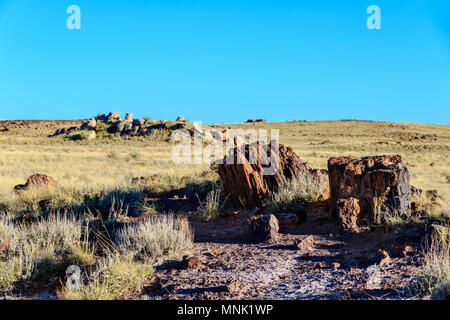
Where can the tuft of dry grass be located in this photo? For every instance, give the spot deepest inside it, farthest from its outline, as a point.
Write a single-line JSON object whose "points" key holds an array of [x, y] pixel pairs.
{"points": [[295, 193], [115, 277], [157, 236], [435, 277], [213, 204]]}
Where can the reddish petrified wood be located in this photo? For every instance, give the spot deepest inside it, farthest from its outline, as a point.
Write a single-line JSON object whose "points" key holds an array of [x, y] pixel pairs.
{"points": [[245, 183], [367, 188]]}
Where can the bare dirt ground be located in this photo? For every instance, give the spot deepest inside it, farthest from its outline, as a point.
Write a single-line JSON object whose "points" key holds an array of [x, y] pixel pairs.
{"points": [[326, 265]]}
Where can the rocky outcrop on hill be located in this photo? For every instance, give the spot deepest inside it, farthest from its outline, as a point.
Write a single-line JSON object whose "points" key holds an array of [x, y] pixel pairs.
{"points": [[248, 187], [112, 123], [364, 190]]}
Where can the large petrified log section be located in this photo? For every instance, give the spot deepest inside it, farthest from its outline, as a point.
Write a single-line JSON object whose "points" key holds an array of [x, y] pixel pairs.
{"points": [[245, 183], [363, 190]]}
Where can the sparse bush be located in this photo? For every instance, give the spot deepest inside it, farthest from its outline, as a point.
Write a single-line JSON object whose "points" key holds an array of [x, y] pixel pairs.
{"points": [[155, 237], [13, 270], [295, 193], [58, 231], [211, 207], [115, 277], [435, 277]]}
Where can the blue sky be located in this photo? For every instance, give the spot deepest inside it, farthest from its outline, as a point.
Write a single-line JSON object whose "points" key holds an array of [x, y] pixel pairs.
{"points": [[226, 61]]}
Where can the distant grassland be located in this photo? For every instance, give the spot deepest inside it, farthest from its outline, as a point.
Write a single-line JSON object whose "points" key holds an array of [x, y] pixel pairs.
{"points": [[109, 163]]}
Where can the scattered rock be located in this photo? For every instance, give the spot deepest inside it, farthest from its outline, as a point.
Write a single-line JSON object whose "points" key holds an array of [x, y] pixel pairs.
{"points": [[128, 117], [335, 265], [91, 135], [402, 251], [120, 127], [381, 257], [190, 262], [233, 286], [146, 180], [35, 181], [113, 117], [263, 228], [92, 124], [368, 188], [305, 243], [416, 191]]}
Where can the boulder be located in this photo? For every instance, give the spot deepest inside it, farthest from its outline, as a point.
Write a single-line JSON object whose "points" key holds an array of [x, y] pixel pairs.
{"points": [[120, 127], [180, 118], [101, 117], [129, 117], [138, 122], [262, 228], [92, 124], [127, 127], [35, 181], [91, 135], [363, 190], [113, 117], [245, 183]]}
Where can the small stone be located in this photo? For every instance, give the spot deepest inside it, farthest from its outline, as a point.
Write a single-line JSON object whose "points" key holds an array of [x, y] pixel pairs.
{"points": [[402, 251], [304, 243], [335, 265], [263, 228], [190, 262]]}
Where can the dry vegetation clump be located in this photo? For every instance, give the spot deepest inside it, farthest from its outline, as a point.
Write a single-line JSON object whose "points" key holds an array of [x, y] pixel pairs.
{"points": [[94, 183], [114, 277], [155, 237], [435, 277], [212, 206], [298, 191]]}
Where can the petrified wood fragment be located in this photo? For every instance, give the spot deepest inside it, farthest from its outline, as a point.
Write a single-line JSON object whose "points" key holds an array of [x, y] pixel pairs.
{"points": [[367, 188], [245, 182]]}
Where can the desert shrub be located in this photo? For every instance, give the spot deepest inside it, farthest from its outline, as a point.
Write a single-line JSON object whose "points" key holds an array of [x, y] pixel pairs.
{"points": [[13, 270], [211, 207], [57, 231], [435, 277], [295, 193], [148, 209], [155, 237], [82, 252], [114, 277]]}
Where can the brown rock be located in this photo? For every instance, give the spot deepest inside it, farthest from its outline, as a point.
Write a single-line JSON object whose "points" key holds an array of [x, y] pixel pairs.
{"points": [[190, 262], [335, 265], [304, 243], [367, 188], [402, 251], [383, 257], [35, 181], [245, 183], [263, 228]]}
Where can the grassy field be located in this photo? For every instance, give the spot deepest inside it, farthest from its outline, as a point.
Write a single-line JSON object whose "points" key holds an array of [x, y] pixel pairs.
{"points": [[96, 174], [108, 163]]}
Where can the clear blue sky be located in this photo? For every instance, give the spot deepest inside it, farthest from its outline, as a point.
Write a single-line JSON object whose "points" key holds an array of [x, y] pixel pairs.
{"points": [[226, 60]]}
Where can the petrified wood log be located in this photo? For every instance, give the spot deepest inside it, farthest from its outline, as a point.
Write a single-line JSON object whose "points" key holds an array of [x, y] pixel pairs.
{"points": [[363, 190], [245, 182]]}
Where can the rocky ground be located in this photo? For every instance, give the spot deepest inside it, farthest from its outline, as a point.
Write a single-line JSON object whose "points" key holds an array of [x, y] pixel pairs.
{"points": [[305, 262]]}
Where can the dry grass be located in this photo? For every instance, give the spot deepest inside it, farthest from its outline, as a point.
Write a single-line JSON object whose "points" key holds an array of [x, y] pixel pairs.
{"points": [[115, 277], [155, 237], [94, 179], [295, 193], [435, 278]]}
